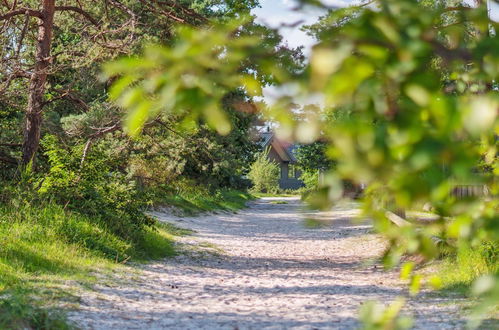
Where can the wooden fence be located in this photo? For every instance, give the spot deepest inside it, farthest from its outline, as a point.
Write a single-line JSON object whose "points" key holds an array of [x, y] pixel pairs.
{"points": [[462, 191]]}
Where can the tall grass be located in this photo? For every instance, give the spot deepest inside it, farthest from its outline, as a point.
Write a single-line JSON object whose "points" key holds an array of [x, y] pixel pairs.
{"points": [[460, 268]]}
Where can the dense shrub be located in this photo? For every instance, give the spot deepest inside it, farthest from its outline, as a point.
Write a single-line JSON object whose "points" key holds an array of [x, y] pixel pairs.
{"points": [[312, 157], [264, 174], [93, 188], [310, 179]]}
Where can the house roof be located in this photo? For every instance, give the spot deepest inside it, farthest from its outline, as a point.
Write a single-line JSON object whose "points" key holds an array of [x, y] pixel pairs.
{"points": [[265, 139], [283, 148]]}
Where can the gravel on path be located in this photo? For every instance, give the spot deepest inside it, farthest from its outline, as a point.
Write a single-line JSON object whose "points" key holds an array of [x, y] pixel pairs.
{"points": [[262, 268]]}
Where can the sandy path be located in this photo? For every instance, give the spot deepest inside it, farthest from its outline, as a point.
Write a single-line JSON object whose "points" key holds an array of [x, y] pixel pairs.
{"points": [[270, 271]]}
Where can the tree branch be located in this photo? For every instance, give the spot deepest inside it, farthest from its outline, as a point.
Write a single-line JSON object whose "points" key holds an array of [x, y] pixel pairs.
{"points": [[13, 145], [7, 159], [70, 95], [23, 35], [184, 9], [21, 11], [8, 80], [79, 11], [92, 137], [162, 12], [457, 8]]}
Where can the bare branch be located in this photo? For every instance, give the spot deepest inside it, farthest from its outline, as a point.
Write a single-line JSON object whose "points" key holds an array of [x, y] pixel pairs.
{"points": [[162, 123], [85, 150], [13, 145], [21, 11], [161, 11], [187, 11], [71, 96], [122, 7], [7, 159], [98, 133], [23, 35], [79, 11], [457, 8], [8, 80]]}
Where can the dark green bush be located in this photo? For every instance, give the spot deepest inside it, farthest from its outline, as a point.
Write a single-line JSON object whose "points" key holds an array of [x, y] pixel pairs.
{"points": [[92, 188]]}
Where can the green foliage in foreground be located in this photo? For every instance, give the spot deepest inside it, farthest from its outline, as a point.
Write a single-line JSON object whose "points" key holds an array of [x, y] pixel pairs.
{"points": [[419, 95], [376, 316]]}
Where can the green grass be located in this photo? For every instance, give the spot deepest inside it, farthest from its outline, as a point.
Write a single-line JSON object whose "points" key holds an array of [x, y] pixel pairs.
{"points": [[314, 223], [192, 203], [459, 269], [283, 194], [44, 249]]}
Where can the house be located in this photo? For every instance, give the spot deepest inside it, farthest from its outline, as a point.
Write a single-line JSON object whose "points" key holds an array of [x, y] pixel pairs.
{"points": [[281, 152]]}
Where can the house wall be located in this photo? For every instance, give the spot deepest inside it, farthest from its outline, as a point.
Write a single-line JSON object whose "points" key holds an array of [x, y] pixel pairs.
{"points": [[274, 156], [285, 182], [284, 171], [291, 183]]}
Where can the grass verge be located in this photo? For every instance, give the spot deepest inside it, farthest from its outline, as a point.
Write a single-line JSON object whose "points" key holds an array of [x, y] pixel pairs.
{"points": [[47, 252], [460, 268], [457, 272], [192, 203]]}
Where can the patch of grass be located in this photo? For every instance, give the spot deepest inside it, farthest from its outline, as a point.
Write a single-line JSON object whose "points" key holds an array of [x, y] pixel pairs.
{"points": [[46, 248], [174, 230], [314, 223], [460, 268], [278, 202], [16, 312], [195, 202], [282, 194]]}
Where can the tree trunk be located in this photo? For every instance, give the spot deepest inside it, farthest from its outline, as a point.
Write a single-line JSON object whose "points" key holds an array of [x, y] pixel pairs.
{"points": [[37, 84]]}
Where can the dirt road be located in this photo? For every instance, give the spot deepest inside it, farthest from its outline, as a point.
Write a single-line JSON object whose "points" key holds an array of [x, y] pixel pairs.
{"points": [[262, 268]]}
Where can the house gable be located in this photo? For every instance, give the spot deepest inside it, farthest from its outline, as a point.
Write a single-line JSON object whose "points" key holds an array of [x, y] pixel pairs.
{"points": [[281, 153], [278, 148]]}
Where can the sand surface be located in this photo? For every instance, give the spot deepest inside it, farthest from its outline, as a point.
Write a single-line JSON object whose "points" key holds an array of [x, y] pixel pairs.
{"points": [[262, 269]]}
